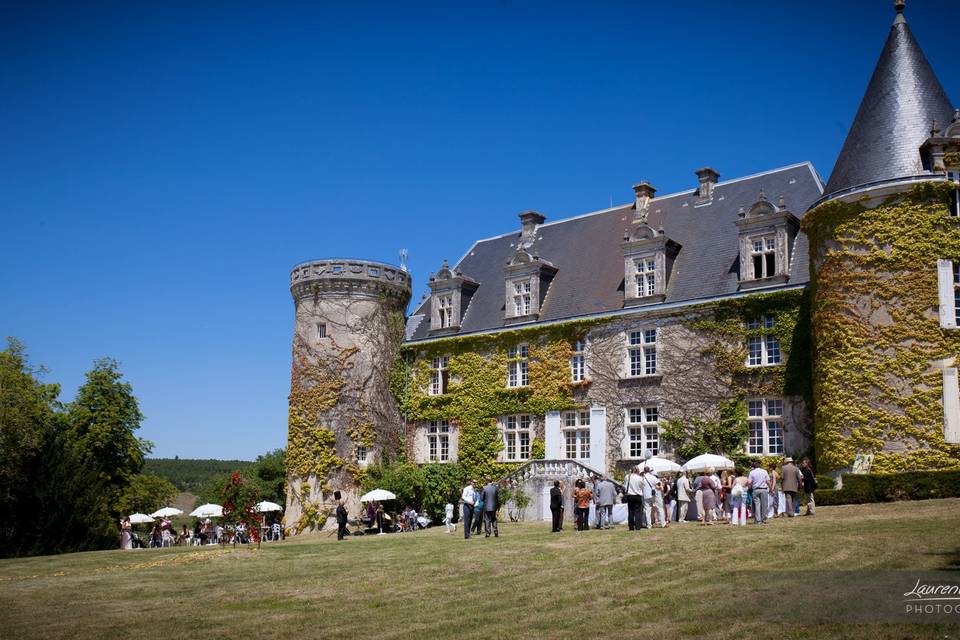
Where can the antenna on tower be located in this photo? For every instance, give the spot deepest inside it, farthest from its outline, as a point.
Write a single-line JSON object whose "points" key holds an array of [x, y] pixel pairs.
{"points": [[403, 259]]}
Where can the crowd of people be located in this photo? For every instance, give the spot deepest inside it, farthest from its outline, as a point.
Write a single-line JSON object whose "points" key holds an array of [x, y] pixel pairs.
{"points": [[162, 533], [728, 497]]}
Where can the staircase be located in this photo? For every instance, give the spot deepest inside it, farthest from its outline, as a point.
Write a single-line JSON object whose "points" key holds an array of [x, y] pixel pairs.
{"points": [[554, 469]]}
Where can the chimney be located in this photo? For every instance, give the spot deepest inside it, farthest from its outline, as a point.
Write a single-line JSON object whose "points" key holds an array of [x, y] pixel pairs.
{"points": [[644, 194], [528, 225], [708, 179]]}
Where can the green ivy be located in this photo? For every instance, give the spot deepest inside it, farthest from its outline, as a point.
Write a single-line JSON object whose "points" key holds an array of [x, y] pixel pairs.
{"points": [[876, 331]]}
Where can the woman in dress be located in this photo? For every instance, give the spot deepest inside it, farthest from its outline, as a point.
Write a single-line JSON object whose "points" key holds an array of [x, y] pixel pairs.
{"points": [[126, 539], [738, 501], [727, 479], [709, 488]]}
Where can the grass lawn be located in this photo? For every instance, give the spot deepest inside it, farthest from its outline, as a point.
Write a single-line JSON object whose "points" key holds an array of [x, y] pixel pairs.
{"points": [[684, 581]]}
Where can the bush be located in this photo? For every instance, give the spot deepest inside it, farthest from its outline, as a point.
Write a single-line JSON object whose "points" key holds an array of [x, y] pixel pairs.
{"points": [[886, 487]]}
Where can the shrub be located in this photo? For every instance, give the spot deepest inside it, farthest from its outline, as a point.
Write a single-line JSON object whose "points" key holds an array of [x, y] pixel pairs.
{"points": [[886, 487]]}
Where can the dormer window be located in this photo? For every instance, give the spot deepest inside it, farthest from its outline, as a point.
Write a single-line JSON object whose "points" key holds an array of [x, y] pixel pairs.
{"points": [[648, 257], [451, 292], [521, 297], [646, 277], [767, 233], [764, 255]]}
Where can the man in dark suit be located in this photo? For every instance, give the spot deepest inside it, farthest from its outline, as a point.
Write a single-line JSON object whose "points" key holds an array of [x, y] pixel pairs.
{"points": [[556, 506], [491, 503], [341, 520]]}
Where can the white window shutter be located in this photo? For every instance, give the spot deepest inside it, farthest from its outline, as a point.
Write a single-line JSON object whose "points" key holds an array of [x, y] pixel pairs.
{"points": [[951, 406], [948, 317]]}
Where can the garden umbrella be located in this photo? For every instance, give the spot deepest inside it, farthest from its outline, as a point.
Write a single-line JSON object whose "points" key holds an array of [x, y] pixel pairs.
{"points": [[661, 465], [377, 494], [167, 512], [140, 518], [263, 507], [707, 460], [207, 511]]}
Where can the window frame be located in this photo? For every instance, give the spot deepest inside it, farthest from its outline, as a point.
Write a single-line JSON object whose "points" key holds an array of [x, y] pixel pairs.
{"points": [[763, 348], [575, 429], [578, 362], [517, 437], [767, 254], [762, 439], [645, 276], [522, 297], [438, 441], [518, 366], [639, 425], [642, 359], [439, 376]]}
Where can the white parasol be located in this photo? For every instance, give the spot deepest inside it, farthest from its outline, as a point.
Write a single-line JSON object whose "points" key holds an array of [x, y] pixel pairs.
{"points": [[377, 494], [661, 465], [707, 460], [263, 507], [140, 518], [167, 512], [207, 511]]}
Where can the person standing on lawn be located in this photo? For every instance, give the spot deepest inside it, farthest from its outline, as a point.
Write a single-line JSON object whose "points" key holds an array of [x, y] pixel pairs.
{"points": [[477, 510], [649, 493], [683, 496], [791, 480], [775, 489], [468, 501], [606, 495], [809, 485], [582, 497], [341, 521], [633, 485], [759, 481], [556, 506], [491, 504]]}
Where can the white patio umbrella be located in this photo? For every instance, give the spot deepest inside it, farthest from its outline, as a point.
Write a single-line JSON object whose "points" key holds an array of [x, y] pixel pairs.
{"points": [[167, 512], [140, 518], [263, 507], [707, 460], [661, 465], [207, 511], [378, 495]]}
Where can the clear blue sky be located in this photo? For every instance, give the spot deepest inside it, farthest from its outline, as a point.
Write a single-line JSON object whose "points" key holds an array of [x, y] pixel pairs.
{"points": [[164, 164]]}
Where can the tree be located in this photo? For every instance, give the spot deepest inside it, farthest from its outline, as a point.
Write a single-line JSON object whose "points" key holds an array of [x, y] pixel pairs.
{"points": [[144, 494], [102, 420], [269, 474]]}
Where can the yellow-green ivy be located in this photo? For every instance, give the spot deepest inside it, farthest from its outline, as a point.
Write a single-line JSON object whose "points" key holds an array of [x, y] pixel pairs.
{"points": [[477, 392], [876, 330]]}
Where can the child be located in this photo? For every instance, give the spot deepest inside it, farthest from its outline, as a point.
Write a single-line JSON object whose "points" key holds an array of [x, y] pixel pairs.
{"points": [[448, 517]]}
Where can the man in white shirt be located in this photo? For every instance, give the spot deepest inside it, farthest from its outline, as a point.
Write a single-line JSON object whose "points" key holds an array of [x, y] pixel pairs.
{"points": [[633, 489], [760, 483], [649, 490], [683, 496], [468, 501]]}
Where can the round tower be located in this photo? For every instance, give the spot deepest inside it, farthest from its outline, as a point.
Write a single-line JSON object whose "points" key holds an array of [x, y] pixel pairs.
{"points": [[348, 328], [882, 245]]}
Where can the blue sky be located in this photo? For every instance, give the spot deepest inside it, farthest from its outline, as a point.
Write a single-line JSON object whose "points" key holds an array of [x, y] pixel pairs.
{"points": [[164, 164]]}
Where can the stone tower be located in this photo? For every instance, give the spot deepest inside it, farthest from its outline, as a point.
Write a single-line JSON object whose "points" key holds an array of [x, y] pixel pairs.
{"points": [[342, 414], [878, 239]]}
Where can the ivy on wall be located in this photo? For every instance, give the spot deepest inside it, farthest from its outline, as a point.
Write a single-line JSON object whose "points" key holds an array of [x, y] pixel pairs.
{"points": [[876, 332], [477, 392]]}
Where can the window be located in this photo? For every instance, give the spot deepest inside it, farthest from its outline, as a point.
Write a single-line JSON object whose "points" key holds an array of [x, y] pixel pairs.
{"points": [[642, 350], [439, 377], [438, 438], [521, 298], [361, 454], [337, 268], [445, 311], [956, 291], [576, 434], [646, 277], [764, 254], [577, 363], [955, 200], [516, 437], [321, 330], [374, 272], [766, 426], [763, 348], [518, 366], [643, 430]]}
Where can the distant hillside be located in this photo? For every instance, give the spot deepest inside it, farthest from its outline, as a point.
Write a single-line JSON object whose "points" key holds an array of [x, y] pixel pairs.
{"points": [[190, 474]]}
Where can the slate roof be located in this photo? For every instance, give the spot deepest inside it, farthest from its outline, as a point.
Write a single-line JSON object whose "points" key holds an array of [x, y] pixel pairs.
{"points": [[902, 100], [586, 250]]}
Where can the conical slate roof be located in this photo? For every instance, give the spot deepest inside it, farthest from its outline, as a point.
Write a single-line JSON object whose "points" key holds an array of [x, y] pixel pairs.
{"points": [[898, 110]]}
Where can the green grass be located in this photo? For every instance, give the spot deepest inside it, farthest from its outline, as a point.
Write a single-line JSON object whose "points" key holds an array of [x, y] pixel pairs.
{"points": [[685, 581]]}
